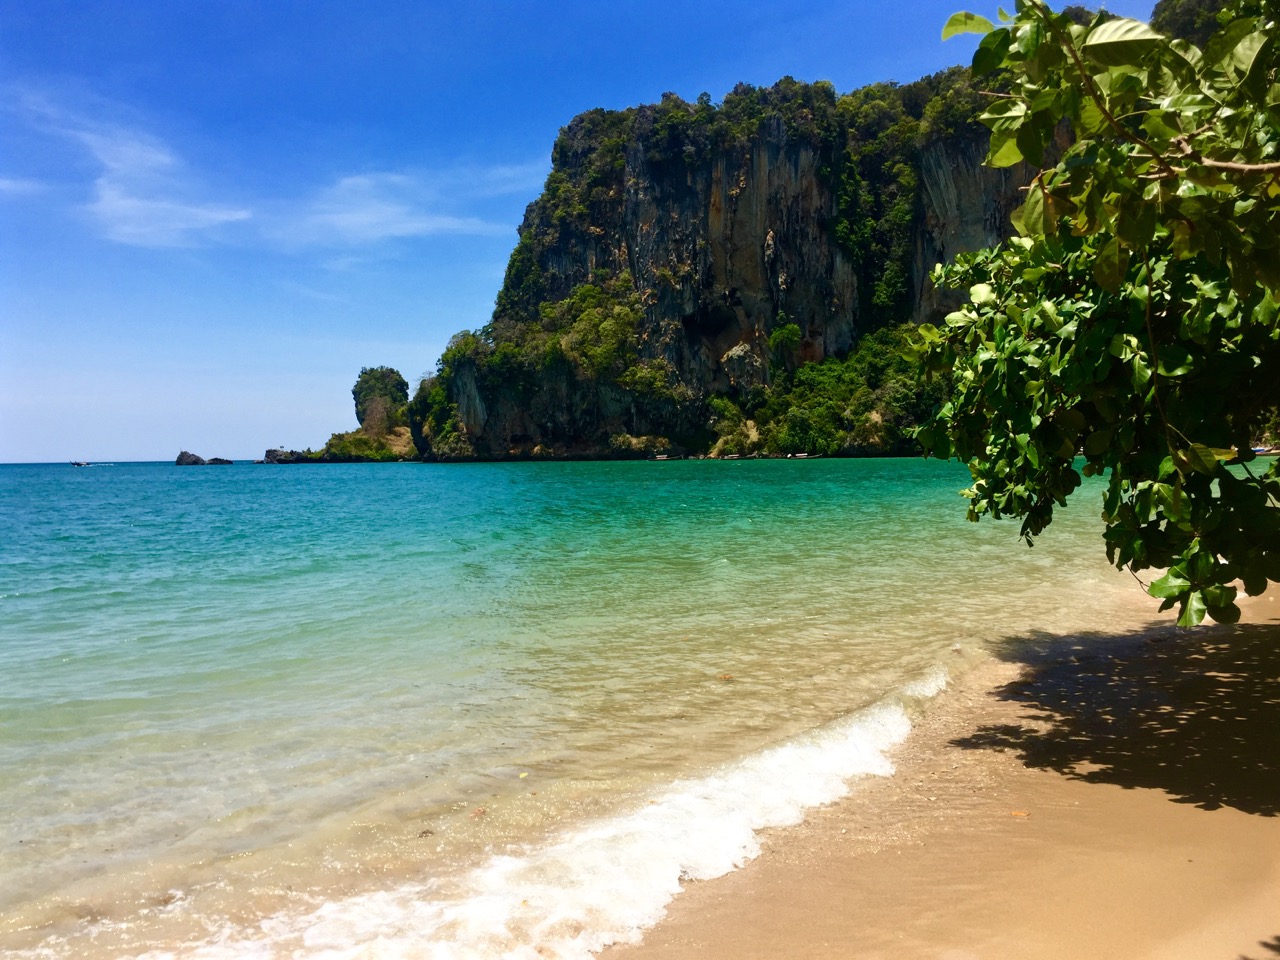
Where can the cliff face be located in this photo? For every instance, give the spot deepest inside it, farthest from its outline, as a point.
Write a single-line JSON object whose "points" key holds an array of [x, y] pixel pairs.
{"points": [[724, 238], [965, 206], [719, 250]]}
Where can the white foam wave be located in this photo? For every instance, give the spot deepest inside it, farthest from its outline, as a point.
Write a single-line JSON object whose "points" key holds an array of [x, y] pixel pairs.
{"points": [[599, 884], [930, 685]]}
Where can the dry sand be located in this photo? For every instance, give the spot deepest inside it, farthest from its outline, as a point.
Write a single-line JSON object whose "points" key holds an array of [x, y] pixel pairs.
{"points": [[1100, 797]]}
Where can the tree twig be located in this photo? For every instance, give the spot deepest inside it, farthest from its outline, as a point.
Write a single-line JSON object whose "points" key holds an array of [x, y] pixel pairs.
{"points": [[1191, 153], [1092, 90]]}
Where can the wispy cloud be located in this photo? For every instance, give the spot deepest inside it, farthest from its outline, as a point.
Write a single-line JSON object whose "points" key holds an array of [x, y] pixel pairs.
{"points": [[151, 222], [363, 209], [499, 180], [144, 195], [19, 186], [367, 208]]}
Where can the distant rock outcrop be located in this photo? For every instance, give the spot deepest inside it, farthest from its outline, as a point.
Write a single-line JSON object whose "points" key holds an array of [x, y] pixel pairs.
{"points": [[188, 459], [277, 455]]}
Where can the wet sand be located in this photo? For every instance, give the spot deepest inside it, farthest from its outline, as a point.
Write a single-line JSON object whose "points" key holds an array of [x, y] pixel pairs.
{"points": [[1101, 797]]}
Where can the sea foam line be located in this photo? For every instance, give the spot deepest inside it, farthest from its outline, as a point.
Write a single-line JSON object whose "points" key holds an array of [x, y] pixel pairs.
{"points": [[599, 884]]}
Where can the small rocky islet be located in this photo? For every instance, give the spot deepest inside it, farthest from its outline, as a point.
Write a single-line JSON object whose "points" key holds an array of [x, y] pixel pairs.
{"points": [[189, 459]]}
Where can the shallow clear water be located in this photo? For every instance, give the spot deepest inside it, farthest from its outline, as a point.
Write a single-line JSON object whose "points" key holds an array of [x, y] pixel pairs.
{"points": [[468, 710]]}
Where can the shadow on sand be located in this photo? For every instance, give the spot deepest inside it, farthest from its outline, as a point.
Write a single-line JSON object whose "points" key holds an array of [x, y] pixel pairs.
{"points": [[1272, 946], [1193, 713]]}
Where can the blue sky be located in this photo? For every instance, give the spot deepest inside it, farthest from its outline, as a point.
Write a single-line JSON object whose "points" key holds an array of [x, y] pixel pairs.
{"points": [[213, 213]]}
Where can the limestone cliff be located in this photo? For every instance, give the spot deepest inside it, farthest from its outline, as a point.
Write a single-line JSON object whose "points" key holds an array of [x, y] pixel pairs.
{"points": [[965, 206], [719, 249], [685, 251]]}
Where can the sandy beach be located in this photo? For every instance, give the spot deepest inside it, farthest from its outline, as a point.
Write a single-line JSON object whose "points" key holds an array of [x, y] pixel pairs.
{"points": [[1101, 797]]}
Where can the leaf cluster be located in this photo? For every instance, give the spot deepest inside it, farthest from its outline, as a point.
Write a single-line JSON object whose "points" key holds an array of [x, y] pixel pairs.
{"points": [[1134, 324]]}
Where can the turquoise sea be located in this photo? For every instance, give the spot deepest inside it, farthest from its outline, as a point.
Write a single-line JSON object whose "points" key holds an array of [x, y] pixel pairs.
{"points": [[466, 710]]}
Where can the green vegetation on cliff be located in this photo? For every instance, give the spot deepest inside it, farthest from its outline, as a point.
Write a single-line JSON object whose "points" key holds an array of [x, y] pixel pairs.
{"points": [[1193, 20], [591, 337], [862, 404], [737, 277], [870, 141], [381, 396], [879, 178], [609, 323]]}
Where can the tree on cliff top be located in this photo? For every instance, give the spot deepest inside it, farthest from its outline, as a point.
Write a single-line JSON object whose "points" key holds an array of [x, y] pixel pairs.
{"points": [[1193, 20], [1135, 321], [385, 383]]}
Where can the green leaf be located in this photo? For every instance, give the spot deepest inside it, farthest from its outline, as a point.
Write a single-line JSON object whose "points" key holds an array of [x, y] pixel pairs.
{"points": [[1227, 613], [1193, 610], [1249, 60], [1187, 103], [1031, 141], [1220, 51], [1004, 112], [1016, 218], [991, 52], [1120, 42], [1141, 373], [1172, 584], [965, 22], [1219, 595], [1202, 459], [981, 294], [1215, 454], [1109, 269], [1175, 361], [1187, 51], [1092, 119], [1123, 346], [1097, 442], [1035, 220], [1004, 150]]}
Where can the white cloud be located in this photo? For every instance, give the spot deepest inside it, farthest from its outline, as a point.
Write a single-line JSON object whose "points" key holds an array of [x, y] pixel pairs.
{"points": [[371, 207], [144, 195], [151, 222], [19, 186]]}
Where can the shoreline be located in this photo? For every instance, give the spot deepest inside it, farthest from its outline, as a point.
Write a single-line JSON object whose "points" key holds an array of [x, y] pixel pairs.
{"points": [[1109, 797]]}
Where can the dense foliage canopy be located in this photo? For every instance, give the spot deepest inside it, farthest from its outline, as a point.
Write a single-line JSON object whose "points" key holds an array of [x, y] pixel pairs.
{"points": [[1193, 20], [867, 403], [1134, 322]]}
